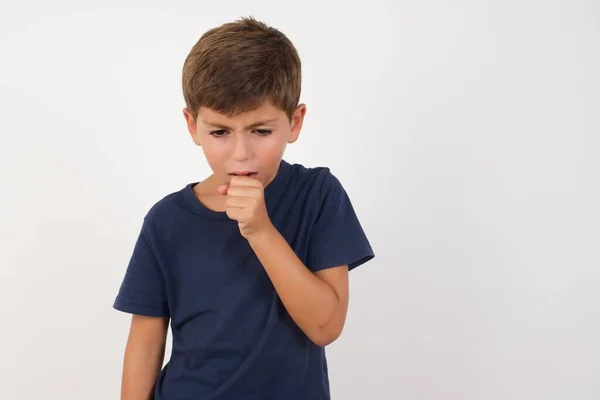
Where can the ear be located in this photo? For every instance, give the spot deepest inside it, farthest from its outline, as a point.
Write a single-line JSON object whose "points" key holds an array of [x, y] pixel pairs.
{"points": [[191, 125], [297, 120]]}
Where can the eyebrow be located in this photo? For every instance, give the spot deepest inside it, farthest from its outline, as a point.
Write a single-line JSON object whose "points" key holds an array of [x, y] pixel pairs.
{"points": [[254, 125]]}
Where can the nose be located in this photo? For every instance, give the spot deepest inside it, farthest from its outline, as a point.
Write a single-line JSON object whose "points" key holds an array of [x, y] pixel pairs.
{"points": [[241, 148]]}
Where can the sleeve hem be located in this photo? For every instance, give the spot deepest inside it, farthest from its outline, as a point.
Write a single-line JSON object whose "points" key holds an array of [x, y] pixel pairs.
{"points": [[139, 309], [352, 262]]}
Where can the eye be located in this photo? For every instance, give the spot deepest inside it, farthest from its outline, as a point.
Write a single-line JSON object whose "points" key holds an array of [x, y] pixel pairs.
{"points": [[219, 133], [263, 132]]}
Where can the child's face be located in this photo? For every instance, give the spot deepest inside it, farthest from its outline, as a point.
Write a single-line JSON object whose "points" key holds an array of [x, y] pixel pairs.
{"points": [[251, 143]]}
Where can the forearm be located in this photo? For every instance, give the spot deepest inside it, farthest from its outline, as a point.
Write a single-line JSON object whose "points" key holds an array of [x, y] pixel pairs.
{"points": [[310, 301], [141, 367]]}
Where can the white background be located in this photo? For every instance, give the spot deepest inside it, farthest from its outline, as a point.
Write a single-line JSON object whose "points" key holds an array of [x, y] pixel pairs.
{"points": [[467, 134]]}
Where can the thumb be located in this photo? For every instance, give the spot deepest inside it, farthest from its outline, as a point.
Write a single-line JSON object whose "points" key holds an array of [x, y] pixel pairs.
{"points": [[223, 188]]}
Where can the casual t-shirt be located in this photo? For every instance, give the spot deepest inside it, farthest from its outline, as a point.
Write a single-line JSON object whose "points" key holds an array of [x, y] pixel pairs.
{"points": [[232, 336]]}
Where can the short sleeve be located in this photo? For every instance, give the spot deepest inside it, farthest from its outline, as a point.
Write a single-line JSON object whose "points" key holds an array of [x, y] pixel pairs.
{"points": [[143, 288], [337, 237]]}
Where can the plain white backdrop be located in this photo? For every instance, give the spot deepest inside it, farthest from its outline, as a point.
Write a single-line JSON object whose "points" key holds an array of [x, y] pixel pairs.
{"points": [[467, 134]]}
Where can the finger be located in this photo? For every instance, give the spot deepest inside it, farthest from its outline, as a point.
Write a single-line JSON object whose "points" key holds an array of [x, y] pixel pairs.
{"points": [[239, 202], [235, 213], [223, 188], [244, 181], [243, 191]]}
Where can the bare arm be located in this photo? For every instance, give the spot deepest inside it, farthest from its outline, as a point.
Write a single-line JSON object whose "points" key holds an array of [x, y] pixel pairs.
{"points": [[317, 302], [144, 356]]}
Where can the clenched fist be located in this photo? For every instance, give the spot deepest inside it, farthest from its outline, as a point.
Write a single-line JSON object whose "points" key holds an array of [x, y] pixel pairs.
{"points": [[246, 204]]}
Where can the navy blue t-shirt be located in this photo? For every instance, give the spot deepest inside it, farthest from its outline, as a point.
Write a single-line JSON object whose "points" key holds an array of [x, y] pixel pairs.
{"points": [[232, 336]]}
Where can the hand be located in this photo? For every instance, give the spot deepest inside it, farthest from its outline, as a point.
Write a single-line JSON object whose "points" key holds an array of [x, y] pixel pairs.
{"points": [[246, 204]]}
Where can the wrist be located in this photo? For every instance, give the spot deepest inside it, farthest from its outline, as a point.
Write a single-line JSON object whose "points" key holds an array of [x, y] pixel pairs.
{"points": [[264, 236]]}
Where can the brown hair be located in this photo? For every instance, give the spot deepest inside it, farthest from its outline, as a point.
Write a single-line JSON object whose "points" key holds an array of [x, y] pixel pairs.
{"points": [[235, 67]]}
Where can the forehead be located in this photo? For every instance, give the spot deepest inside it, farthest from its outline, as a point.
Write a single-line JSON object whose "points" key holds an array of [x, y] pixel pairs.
{"points": [[266, 111]]}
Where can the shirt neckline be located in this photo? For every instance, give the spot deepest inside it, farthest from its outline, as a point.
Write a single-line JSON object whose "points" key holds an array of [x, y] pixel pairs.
{"points": [[197, 207]]}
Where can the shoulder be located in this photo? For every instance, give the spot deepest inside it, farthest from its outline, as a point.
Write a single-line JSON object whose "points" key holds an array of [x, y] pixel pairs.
{"points": [[166, 207], [318, 179]]}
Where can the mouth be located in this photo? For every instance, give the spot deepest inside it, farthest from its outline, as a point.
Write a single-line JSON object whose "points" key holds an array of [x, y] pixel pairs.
{"points": [[249, 174]]}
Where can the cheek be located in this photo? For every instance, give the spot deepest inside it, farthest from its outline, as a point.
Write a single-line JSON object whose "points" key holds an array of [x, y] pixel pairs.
{"points": [[214, 153], [273, 145]]}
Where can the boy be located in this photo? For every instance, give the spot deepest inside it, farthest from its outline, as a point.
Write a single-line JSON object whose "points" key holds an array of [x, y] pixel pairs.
{"points": [[250, 266]]}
